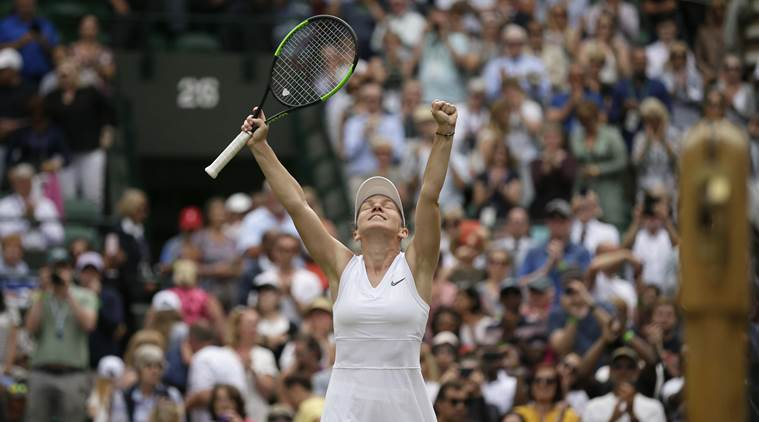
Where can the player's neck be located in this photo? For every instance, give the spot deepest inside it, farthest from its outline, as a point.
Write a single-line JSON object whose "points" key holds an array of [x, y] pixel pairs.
{"points": [[378, 257]]}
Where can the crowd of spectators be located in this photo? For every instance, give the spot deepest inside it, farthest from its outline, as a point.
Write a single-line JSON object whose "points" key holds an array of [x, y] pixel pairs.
{"points": [[555, 296]]}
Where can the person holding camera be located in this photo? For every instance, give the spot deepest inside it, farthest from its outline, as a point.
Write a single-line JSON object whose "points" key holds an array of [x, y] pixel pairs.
{"points": [[60, 320], [33, 36]]}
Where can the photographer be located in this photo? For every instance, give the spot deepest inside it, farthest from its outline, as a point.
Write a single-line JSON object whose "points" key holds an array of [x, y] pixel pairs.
{"points": [[60, 319]]}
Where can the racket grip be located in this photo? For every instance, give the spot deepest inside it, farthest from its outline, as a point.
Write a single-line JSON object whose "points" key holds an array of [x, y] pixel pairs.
{"points": [[228, 154]]}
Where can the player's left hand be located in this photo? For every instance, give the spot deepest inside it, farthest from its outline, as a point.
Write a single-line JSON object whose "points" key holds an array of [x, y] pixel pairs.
{"points": [[445, 115]]}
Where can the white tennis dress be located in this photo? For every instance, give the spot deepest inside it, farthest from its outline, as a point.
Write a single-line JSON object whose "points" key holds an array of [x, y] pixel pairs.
{"points": [[378, 334]]}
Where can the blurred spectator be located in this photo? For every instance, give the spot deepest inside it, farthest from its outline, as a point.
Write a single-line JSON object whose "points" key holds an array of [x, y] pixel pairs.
{"points": [[195, 304], [603, 279], [360, 128], [105, 338], [60, 319], [552, 172], [657, 53], [141, 337], [499, 269], [577, 323], [443, 291], [515, 63], [299, 286], [181, 245], [499, 388], [685, 86], [274, 328], [570, 383], [624, 400], [298, 392], [259, 363], [445, 351], [411, 99], [211, 365], [515, 237], [475, 323], [498, 188], [739, 95], [623, 12], [306, 358], [128, 248], [401, 21], [106, 388], [12, 263], [629, 92], [443, 55], [95, 59], [15, 94], [537, 306], [653, 238], [524, 120], [220, 266], [28, 213], [451, 401], [33, 36], [237, 206], [656, 149], [42, 145], [664, 331], [382, 149], [586, 230], [710, 42], [510, 301], [165, 318], [138, 402], [557, 253], [9, 327], [227, 404], [270, 216], [86, 117], [601, 155], [607, 43], [546, 398], [280, 413], [563, 106], [553, 56]]}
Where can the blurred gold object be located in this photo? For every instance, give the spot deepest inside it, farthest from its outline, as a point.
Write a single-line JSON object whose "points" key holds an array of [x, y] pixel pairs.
{"points": [[714, 255]]}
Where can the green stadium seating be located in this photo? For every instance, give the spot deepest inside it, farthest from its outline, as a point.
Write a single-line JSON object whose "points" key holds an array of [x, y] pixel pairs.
{"points": [[197, 42], [81, 211], [76, 231]]}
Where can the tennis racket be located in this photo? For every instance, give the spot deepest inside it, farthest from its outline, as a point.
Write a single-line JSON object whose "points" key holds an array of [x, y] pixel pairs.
{"points": [[312, 63]]}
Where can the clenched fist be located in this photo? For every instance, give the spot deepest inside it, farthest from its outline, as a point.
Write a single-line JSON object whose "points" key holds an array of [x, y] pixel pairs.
{"points": [[445, 115], [256, 126]]}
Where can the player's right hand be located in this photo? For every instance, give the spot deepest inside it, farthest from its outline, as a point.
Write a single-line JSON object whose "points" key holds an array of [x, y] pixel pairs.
{"points": [[256, 126]]}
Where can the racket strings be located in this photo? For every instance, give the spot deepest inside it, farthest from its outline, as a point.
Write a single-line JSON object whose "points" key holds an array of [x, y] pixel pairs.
{"points": [[313, 62]]}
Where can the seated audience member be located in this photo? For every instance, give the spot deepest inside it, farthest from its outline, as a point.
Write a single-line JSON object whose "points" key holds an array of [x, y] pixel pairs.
{"points": [[196, 303], [138, 402], [59, 320], [210, 365], [105, 389], [624, 400], [553, 171], [12, 263], [301, 397], [587, 230], [33, 36], [227, 404], [546, 398], [475, 323], [498, 270], [29, 213], [558, 252], [237, 205], [515, 237]]}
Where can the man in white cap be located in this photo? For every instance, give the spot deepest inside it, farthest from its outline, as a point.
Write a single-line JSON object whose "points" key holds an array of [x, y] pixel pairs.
{"points": [[381, 296], [15, 96], [514, 63], [29, 213]]}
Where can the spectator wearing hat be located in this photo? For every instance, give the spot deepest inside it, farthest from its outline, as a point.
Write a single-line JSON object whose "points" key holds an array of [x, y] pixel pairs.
{"points": [[99, 404], [510, 299], [181, 246], [516, 63], [259, 362], [445, 346], [558, 252], [110, 328], [538, 303], [33, 36], [60, 319], [29, 213], [210, 365], [138, 402], [587, 230], [272, 216], [624, 402], [220, 264], [237, 205], [15, 94]]}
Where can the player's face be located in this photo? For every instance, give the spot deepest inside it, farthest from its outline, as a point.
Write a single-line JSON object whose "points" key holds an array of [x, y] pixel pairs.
{"points": [[379, 211]]}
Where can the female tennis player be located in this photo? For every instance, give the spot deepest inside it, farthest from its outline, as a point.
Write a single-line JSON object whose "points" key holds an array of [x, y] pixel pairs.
{"points": [[381, 309]]}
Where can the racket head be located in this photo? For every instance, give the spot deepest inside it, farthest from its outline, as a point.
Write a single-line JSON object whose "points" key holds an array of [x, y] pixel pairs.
{"points": [[313, 61]]}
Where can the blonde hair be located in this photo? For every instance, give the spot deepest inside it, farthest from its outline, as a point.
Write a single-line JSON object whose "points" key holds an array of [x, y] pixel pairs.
{"points": [[652, 107], [130, 200], [146, 336], [163, 322], [233, 324], [103, 390]]}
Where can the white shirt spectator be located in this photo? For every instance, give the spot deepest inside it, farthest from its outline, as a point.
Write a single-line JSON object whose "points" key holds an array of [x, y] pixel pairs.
{"points": [[257, 223], [655, 252], [519, 67], [13, 220], [409, 27], [601, 408], [210, 366], [262, 363], [305, 286], [500, 393], [357, 149], [657, 56], [628, 21], [596, 233], [438, 73], [608, 288], [517, 248]]}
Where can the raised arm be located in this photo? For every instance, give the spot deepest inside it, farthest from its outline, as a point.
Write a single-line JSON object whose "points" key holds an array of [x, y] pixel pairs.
{"points": [[331, 255], [424, 251]]}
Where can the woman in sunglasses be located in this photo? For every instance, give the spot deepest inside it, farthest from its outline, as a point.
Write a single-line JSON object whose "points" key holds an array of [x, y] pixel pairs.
{"points": [[546, 403]]}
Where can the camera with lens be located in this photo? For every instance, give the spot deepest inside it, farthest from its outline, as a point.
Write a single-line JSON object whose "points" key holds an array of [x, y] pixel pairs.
{"points": [[649, 205]]}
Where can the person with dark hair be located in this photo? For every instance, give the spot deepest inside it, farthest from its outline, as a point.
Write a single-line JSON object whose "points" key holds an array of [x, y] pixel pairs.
{"points": [[227, 404], [301, 397], [546, 403], [474, 325], [450, 403]]}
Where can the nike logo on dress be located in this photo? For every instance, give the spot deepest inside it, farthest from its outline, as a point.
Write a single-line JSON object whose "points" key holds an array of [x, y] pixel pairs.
{"points": [[393, 283]]}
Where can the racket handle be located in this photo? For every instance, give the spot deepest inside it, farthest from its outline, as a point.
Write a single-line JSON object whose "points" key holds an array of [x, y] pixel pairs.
{"points": [[228, 154]]}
